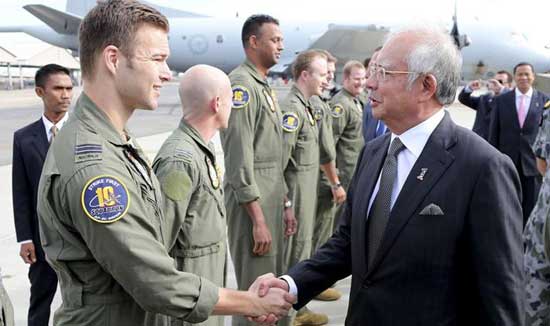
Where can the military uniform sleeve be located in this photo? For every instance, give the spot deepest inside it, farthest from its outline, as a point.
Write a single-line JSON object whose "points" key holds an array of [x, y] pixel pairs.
{"points": [[178, 180], [541, 146], [327, 148], [291, 124], [339, 114], [238, 142], [123, 238]]}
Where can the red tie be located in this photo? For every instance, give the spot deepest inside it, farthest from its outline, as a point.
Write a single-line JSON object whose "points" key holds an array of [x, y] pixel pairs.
{"points": [[521, 112]]}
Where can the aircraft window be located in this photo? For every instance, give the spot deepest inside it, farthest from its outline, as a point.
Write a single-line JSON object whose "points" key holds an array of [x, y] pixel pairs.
{"points": [[219, 39]]}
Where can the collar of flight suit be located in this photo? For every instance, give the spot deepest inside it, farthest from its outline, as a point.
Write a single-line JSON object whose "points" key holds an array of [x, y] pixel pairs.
{"points": [[194, 134], [254, 72], [297, 93], [346, 93], [98, 122]]}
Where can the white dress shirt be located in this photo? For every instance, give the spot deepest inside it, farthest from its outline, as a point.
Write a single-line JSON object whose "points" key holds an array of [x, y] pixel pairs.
{"points": [[48, 128], [527, 101], [414, 140]]}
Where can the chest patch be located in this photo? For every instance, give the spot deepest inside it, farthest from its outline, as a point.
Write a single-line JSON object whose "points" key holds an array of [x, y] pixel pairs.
{"points": [[105, 199]]}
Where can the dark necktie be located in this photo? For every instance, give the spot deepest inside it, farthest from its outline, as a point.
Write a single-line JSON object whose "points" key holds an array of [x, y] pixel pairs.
{"points": [[381, 206]]}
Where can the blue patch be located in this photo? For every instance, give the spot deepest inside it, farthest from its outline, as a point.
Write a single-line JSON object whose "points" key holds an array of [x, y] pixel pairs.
{"points": [[290, 121], [105, 199], [241, 97]]}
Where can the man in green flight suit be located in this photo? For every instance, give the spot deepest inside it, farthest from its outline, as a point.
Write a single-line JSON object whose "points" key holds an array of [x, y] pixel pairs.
{"points": [[255, 192], [301, 135], [190, 181], [347, 119], [99, 206]]}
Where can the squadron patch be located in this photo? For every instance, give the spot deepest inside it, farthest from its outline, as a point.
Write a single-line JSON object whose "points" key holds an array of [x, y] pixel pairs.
{"points": [[105, 199], [213, 173], [290, 121], [269, 99], [241, 97], [337, 111], [318, 114]]}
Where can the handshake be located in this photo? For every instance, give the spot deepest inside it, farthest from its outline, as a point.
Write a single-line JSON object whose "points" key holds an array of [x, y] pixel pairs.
{"points": [[272, 299]]}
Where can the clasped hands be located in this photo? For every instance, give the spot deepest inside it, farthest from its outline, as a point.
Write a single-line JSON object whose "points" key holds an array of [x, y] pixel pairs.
{"points": [[273, 302]]}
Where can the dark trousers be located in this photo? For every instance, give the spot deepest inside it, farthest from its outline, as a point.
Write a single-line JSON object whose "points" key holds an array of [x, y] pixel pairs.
{"points": [[530, 186], [43, 286]]}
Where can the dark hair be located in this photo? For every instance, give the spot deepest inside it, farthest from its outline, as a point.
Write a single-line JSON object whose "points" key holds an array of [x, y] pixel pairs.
{"points": [[114, 22], [508, 75], [524, 64], [252, 26], [42, 75]]}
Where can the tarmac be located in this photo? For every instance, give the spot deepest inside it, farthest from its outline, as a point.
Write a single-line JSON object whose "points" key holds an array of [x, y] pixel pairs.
{"points": [[21, 107]]}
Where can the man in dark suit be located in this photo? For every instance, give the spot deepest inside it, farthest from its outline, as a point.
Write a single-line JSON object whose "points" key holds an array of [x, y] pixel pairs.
{"points": [[30, 145], [483, 104], [430, 231], [514, 126]]}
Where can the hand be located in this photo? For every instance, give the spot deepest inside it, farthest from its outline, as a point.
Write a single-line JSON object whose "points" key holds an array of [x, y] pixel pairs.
{"points": [[291, 224], [262, 239], [474, 85], [28, 253], [495, 86], [261, 287], [338, 195]]}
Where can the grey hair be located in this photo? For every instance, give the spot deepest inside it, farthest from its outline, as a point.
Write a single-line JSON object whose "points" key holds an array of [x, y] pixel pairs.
{"points": [[435, 53]]}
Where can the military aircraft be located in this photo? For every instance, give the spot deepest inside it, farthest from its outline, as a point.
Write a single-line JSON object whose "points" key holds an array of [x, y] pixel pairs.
{"points": [[196, 38]]}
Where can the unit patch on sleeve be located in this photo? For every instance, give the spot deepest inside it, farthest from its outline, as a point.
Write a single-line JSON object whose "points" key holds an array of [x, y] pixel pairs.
{"points": [[337, 111], [241, 97], [105, 199], [290, 121]]}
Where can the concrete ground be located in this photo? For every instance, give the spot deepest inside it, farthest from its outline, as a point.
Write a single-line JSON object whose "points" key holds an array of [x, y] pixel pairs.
{"points": [[18, 108]]}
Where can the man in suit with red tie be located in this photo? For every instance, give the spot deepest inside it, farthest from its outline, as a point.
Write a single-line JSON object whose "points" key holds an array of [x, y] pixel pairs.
{"points": [[30, 145], [514, 126]]}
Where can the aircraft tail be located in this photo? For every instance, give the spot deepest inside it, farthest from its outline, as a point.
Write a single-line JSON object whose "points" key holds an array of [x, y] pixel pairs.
{"points": [[81, 8]]}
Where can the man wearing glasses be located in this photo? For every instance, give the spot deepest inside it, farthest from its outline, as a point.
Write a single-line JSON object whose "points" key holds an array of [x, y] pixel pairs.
{"points": [[484, 103], [424, 234]]}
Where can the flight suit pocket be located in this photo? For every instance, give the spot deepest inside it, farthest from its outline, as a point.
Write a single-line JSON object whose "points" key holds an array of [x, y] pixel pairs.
{"points": [[305, 153], [207, 262]]}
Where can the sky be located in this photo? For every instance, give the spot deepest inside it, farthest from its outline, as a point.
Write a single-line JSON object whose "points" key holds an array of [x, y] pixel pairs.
{"points": [[531, 20]]}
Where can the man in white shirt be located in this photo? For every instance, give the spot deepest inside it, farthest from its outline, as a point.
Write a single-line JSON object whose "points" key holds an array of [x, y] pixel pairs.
{"points": [[431, 229], [514, 126], [30, 145]]}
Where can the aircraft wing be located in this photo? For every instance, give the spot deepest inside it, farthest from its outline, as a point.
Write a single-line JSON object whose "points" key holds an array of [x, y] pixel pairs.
{"points": [[282, 66], [350, 42], [61, 22], [174, 13]]}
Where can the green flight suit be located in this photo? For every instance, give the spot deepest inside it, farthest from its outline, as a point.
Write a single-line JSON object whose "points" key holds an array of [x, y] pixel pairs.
{"points": [[253, 149], [347, 121], [324, 213], [301, 135], [193, 207], [101, 226]]}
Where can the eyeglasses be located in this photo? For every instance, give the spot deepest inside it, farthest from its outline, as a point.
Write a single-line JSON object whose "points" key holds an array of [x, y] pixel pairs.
{"points": [[500, 81], [379, 73]]}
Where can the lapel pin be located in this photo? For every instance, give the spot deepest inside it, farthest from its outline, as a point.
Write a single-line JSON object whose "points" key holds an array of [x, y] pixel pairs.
{"points": [[422, 174]]}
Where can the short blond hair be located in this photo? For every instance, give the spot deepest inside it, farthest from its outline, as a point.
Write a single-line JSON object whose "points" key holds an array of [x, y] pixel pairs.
{"points": [[350, 65], [303, 61]]}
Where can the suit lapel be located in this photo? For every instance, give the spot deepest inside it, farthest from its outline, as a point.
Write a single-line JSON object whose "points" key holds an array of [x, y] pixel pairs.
{"points": [[534, 111], [40, 140], [435, 159]]}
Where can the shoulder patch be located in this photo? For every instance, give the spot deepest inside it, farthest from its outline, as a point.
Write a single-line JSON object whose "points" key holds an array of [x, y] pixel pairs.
{"points": [[290, 121], [88, 152], [241, 97], [337, 110], [105, 199], [547, 105], [176, 185]]}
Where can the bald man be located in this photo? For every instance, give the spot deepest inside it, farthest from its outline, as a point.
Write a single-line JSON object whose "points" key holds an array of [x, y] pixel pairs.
{"points": [[190, 178]]}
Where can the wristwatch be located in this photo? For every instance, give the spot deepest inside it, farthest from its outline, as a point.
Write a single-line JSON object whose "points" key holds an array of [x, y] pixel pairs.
{"points": [[288, 203], [336, 186]]}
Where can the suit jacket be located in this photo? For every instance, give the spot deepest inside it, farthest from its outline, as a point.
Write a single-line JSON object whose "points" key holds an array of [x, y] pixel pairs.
{"points": [[483, 105], [30, 146], [370, 123], [507, 136], [463, 267]]}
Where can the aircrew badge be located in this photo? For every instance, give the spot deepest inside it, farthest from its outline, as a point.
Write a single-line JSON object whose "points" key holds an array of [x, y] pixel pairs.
{"points": [[241, 97], [269, 99], [290, 121], [105, 199], [318, 114], [337, 111], [213, 173]]}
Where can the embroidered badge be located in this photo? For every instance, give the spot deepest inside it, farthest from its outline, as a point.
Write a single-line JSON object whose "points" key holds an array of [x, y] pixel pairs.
{"points": [[318, 114], [105, 199], [241, 97], [88, 152], [337, 111], [269, 99], [290, 121], [213, 173]]}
